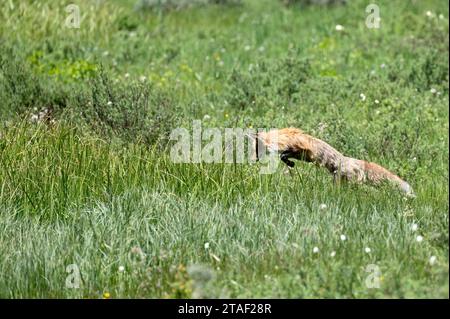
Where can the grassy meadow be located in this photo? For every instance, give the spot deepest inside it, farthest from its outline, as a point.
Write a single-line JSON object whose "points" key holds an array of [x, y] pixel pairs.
{"points": [[87, 185]]}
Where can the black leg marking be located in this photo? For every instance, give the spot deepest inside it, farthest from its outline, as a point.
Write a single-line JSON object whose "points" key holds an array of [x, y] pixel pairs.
{"points": [[285, 158]]}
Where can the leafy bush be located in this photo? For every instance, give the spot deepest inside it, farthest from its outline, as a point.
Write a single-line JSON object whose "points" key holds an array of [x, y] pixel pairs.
{"points": [[133, 112], [22, 90], [429, 70], [265, 80]]}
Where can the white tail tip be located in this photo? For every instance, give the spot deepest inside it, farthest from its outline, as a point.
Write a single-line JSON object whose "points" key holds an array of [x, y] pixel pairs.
{"points": [[405, 187]]}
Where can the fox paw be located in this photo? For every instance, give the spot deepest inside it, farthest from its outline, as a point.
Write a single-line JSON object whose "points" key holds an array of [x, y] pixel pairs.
{"points": [[290, 163]]}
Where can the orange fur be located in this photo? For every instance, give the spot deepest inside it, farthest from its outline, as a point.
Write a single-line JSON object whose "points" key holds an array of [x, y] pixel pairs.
{"points": [[294, 143]]}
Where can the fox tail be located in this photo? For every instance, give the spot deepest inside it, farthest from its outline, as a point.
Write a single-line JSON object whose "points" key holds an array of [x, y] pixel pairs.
{"points": [[376, 173]]}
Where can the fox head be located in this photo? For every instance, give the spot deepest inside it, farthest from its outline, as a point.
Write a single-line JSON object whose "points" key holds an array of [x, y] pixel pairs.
{"points": [[287, 140], [263, 143]]}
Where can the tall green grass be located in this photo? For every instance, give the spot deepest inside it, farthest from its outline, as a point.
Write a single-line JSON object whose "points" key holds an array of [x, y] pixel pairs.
{"points": [[72, 199]]}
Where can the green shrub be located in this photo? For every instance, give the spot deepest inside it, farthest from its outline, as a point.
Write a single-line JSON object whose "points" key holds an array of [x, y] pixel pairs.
{"points": [[429, 70], [22, 90], [132, 112], [265, 80]]}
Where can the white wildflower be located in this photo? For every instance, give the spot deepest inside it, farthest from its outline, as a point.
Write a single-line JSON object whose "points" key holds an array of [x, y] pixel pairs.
{"points": [[332, 254], [433, 260], [343, 237], [367, 250], [206, 245], [316, 250], [121, 268], [433, 91], [419, 239], [323, 207], [109, 103], [339, 27], [34, 118], [414, 227], [247, 48], [362, 97]]}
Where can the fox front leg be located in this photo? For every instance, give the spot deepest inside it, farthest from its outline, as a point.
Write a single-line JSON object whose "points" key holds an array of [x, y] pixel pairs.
{"points": [[285, 155]]}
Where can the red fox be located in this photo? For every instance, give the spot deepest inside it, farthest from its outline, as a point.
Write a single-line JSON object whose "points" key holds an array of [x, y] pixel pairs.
{"points": [[293, 143]]}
